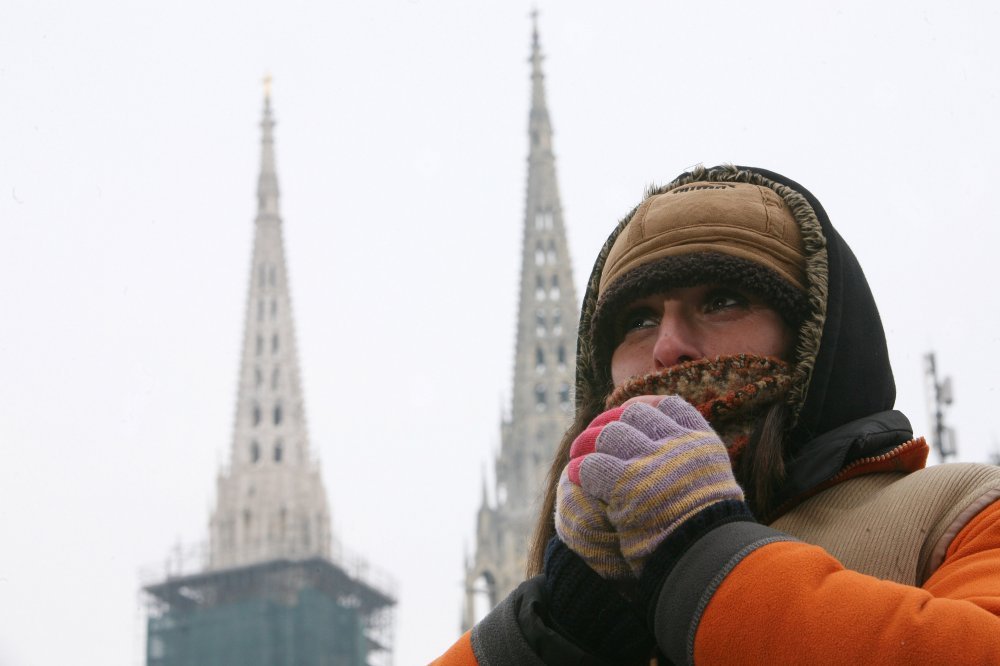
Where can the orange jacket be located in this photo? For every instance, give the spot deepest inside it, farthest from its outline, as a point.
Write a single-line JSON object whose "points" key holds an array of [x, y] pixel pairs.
{"points": [[837, 616], [788, 602]]}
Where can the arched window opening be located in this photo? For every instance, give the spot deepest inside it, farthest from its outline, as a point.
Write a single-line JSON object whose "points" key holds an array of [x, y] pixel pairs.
{"points": [[254, 451], [482, 596], [554, 291], [564, 401], [540, 398], [277, 414], [557, 323], [274, 308], [540, 323], [274, 343], [279, 451], [539, 255], [552, 252], [257, 377], [561, 356], [539, 360], [539, 288], [256, 414], [275, 378], [543, 220]]}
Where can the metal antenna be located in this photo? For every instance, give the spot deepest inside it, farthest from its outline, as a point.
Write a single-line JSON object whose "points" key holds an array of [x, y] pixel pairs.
{"points": [[995, 452], [939, 396]]}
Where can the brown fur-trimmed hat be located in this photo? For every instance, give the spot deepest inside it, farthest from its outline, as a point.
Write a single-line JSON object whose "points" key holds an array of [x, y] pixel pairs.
{"points": [[740, 220], [690, 270], [723, 228]]}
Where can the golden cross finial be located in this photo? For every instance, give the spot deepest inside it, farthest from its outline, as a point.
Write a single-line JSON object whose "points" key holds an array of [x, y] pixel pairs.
{"points": [[267, 85]]}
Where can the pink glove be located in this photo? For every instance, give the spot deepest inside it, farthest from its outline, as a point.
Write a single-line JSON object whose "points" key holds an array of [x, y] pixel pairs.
{"points": [[581, 520], [652, 468]]}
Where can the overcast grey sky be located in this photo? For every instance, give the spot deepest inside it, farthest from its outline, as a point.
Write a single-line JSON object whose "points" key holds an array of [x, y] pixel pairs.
{"points": [[129, 149]]}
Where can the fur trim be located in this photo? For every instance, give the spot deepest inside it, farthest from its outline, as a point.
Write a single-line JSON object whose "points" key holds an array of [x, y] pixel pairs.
{"points": [[688, 270], [731, 392], [593, 382]]}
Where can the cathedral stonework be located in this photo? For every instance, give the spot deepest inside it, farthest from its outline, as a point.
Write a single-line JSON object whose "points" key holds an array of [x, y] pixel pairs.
{"points": [[270, 500], [544, 358], [269, 592]]}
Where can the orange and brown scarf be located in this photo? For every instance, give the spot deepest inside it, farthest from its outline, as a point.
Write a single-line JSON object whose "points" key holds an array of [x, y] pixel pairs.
{"points": [[731, 392]]}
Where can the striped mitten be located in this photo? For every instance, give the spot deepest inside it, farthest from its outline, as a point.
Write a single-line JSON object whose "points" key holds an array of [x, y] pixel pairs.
{"points": [[653, 467], [582, 520]]}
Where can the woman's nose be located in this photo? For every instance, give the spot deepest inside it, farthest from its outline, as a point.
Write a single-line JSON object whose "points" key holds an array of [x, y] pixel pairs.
{"points": [[675, 342]]}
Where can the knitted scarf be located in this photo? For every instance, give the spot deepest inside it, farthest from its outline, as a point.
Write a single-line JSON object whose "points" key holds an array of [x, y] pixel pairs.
{"points": [[731, 392]]}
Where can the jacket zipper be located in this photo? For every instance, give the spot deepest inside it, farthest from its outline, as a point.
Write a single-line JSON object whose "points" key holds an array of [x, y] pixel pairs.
{"points": [[899, 450], [839, 476]]}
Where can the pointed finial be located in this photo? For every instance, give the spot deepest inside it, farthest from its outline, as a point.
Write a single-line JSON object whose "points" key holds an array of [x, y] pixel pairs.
{"points": [[267, 183], [267, 85], [534, 25]]}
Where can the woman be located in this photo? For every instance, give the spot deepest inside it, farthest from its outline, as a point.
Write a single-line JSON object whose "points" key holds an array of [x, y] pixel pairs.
{"points": [[796, 525]]}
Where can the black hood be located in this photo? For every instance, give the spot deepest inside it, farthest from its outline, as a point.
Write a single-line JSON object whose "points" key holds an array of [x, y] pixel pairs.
{"points": [[851, 376], [841, 361]]}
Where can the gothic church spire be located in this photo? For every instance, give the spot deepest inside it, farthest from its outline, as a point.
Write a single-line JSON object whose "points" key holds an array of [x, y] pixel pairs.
{"points": [[545, 349], [270, 502]]}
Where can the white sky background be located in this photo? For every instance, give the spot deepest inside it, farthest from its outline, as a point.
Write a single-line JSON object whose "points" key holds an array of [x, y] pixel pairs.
{"points": [[129, 152]]}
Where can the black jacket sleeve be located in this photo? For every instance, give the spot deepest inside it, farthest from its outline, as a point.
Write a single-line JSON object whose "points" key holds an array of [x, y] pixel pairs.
{"points": [[569, 615]]}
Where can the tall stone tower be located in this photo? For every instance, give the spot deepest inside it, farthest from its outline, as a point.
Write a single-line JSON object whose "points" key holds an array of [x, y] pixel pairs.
{"points": [[270, 501], [269, 592], [544, 359]]}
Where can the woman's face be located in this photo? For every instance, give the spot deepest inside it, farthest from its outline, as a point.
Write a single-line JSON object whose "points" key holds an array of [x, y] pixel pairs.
{"points": [[691, 323]]}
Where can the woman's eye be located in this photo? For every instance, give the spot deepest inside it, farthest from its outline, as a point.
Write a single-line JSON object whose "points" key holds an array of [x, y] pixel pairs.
{"points": [[724, 299], [637, 319]]}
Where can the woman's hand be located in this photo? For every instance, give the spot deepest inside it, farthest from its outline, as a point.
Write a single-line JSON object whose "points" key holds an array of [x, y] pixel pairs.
{"points": [[581, 520], [651, 468]]}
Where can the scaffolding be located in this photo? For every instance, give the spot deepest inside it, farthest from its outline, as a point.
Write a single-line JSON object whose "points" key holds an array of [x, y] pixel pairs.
{"points": [[308, 612]]}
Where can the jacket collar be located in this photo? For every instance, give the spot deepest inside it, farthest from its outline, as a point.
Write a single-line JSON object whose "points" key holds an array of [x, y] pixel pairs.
{"points": [[853, 445]]}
